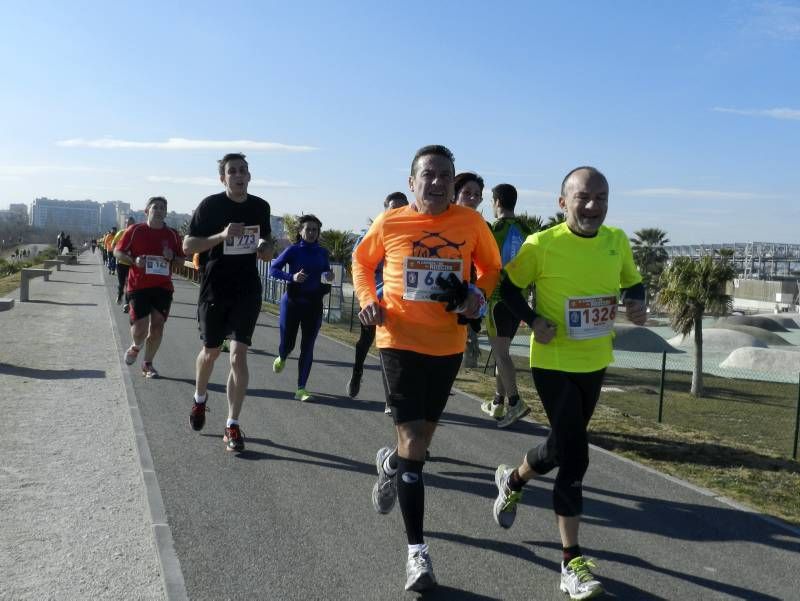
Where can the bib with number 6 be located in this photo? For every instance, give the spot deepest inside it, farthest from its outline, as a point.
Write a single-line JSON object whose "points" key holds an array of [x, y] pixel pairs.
{"points": [[419, 276]]}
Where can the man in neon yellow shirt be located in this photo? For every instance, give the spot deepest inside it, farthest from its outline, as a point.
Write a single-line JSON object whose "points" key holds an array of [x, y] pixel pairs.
{"points": [[580, 268]]}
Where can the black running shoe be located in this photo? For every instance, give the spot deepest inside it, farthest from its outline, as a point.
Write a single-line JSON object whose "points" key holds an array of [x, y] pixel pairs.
{"points": [[233, 439], [197, 418], [354, 384]]}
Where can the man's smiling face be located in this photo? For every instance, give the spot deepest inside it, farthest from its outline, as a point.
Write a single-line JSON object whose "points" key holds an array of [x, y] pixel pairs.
{"points": [[585, 201], [432, 183]]}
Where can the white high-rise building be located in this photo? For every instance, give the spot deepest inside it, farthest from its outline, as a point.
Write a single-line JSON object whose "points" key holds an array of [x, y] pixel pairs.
{"points": [[66, 215]]}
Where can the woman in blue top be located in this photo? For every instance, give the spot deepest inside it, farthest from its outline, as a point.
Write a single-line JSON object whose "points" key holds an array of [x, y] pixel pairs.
{"points": [[301, 304]]}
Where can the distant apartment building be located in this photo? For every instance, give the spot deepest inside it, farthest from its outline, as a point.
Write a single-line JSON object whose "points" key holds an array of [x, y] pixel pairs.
{"points": [[113, 214], [20, 209], [277, 226], [173, 219], [67, 215], [16, 214], [176, 221]]}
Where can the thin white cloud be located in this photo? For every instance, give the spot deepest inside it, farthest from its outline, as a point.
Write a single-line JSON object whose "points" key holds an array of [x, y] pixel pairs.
{"points": [[530, 193], [776, 19], [213, 181], [689, 194], [782, 113], [93, 187], [491, 173], [18, 171], [183, 144]]}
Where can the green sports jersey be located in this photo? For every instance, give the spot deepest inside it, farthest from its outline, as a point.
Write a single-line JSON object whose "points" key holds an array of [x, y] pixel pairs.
{"points": [[578, 282], [509, 233]]}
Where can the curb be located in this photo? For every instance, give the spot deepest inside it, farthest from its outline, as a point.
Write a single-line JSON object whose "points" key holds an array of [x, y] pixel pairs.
{"points": [[171, 573]]}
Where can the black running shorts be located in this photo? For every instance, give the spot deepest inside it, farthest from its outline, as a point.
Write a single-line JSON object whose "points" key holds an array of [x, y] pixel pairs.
{"points": [[235, 317], [419, 385], [500, 321], [142, 302]]}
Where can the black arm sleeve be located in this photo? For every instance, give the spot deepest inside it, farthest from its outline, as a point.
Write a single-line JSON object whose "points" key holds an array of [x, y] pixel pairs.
{"points": [[635, 292], [512, 297]]}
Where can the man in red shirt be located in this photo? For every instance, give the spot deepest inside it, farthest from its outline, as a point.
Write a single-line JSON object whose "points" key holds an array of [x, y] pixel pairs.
{"points": [[149, 248]]}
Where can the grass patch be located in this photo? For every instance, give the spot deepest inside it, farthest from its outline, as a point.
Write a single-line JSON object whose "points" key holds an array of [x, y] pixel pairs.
{"points": [[9, 283], [735, 442]]}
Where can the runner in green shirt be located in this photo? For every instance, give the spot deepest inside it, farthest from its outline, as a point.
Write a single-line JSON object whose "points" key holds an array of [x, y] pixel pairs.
{"points": [[580, 269]]}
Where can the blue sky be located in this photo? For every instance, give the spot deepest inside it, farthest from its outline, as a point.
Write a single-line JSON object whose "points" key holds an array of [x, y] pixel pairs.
{"points": [[692, 109]]}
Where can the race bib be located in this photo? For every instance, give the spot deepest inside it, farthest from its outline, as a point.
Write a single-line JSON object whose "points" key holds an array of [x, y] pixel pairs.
{"points": [[420, 273], [245, 244], [154, 265], [590, 316]]}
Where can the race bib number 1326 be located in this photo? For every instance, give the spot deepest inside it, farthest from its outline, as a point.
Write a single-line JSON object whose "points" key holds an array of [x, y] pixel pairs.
{"points": [[590, 316]]}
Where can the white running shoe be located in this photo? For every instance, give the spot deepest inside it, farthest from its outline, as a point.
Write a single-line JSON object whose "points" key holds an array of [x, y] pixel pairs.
{"points": [[505, 505], [578, 581], [384, 493], [514, 413], [496, 410], [131, 354], [419, 572]]}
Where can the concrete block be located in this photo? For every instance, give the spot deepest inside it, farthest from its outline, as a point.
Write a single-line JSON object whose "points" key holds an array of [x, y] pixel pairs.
{"points": [[26, 275]]}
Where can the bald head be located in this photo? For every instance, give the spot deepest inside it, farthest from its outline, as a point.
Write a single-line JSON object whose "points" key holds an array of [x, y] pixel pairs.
{"points": [[584, 200], [585, 171]]}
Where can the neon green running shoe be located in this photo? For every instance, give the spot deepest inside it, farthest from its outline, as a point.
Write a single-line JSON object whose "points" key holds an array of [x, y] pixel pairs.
{"points": [[277, 365], [496, 410], [578, 581], [302, 395], [505, 505]]}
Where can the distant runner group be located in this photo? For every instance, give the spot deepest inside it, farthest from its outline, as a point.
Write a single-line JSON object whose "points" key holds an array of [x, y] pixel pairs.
{"points": [[425, 274]]}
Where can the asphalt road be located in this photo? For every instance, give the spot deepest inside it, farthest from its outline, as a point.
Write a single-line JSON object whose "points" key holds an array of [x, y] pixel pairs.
{"points": [[291, 517]]}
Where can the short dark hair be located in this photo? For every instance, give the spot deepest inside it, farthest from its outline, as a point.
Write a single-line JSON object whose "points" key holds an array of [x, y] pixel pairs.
{"points": [[303, 219], [462, 179], [505, 195], [154, 199], [589, 168], [399, 196], [231, 156], [432, 149]]}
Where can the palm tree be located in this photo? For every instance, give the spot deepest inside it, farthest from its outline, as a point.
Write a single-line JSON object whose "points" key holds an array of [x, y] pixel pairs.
{"points": [[339, 244], [689, 289], [291, 226], [650, 256], [559, 217], [534, 222]]}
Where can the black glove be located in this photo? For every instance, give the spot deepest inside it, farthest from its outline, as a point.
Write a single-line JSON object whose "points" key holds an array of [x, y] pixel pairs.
{"points": [[475, 324], [455, 291]]}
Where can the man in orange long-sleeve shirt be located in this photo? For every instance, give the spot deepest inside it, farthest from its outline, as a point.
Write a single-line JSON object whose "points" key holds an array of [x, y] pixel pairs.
{"points": [[427, 249]]}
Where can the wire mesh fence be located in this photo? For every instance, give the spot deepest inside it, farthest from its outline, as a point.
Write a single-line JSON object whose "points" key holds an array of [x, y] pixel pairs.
{"points": [[758, 408]]}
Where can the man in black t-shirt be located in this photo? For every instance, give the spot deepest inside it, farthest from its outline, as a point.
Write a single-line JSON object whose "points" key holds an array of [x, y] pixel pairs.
{"points": [[232, 227]]}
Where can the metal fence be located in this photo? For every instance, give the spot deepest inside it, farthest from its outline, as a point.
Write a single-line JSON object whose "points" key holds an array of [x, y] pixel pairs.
{"points": [[757, 408], [761, 409], [334, 306]]}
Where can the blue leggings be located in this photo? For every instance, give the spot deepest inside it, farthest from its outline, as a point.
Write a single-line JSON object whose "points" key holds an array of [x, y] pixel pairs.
{"points": [[305, 314]]}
